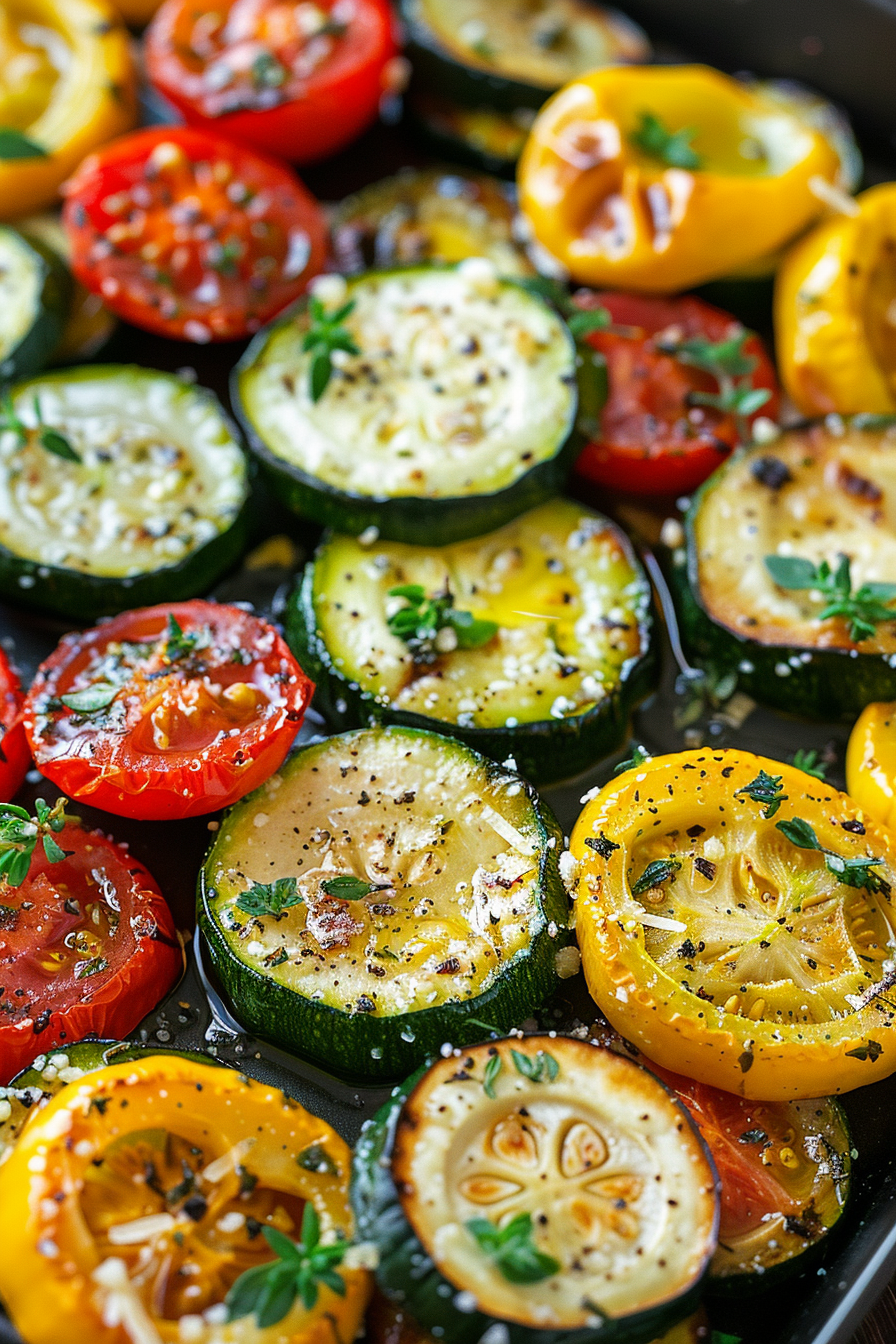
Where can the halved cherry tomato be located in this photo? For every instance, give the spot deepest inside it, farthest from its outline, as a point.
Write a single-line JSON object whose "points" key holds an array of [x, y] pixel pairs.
{"points": [[15, 757], [655, 436], [87, 945], [166, 712], [296, 80], [191, 236]]}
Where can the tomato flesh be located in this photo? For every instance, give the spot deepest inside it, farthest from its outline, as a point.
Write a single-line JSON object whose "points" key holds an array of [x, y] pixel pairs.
{"points": [[87, 945], [296, 80], [191, 236], [653, 440], [15, 756], [190, 723]]}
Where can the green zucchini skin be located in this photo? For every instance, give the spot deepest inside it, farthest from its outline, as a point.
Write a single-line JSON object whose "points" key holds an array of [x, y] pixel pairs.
{"points": [[62, 591], [362, 1045], [830, 684], [436, 137], [37, 345], [543, 752], [420, 520], [408, 1275]]}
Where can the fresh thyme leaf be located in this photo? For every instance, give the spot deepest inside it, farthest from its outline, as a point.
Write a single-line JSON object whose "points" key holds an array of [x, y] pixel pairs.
{"points": [[58, 444], [268, 1291], [490, 1073], [732, 368], [419, 623], [809, 763], [512, 1249], [267, 72], [19, 834], [639, 756], [316, 1158], [177, 644], [92, 699], [765, 789], [9, 420], [661, 870], [325, 334], [582, 321], [92, 967], [672, 148], [799, 833], [50, 439], [269, 898], [863, 609], [854, 872], [15, 145], [536, 1068], [347, 887], [601, 844]]}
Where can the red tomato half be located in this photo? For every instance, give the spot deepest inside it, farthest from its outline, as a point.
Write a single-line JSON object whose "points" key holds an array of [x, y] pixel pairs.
{"points": [[92, 944], [299, 80], [191, 236], [166, 712], [654, 440], [15, 758]]}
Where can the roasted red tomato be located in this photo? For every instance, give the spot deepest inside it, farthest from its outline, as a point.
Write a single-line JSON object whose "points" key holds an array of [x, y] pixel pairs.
{"points": [[296, 80], [166, 712], [15, 757], [686, 381], [191, 236], [91, 941]]}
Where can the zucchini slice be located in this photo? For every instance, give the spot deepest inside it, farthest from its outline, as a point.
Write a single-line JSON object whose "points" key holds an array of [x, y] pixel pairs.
{"points": [[553, 687], [816, 493], [540, 1184], [119, 487], [483, 137], [383, 888], [88, 323], [428, 214], [34, 295], [456, 415]]}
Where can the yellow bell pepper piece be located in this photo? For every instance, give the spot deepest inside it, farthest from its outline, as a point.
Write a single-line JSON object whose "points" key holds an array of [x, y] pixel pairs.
{"points": [[67, 85], [835, 311], [871, 762], [736, 179]]}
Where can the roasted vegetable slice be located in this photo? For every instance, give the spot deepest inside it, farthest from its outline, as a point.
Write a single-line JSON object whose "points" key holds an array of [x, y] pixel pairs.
{"points": [[34, 292], [382, 889], [541, 1183]]}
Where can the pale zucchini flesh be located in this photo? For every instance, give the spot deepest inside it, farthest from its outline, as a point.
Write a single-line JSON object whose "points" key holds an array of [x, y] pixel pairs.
{"points": [[161, 474], [22, 272], [464, 384]]}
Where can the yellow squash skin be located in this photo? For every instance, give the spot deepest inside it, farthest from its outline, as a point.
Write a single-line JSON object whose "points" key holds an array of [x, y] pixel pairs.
{"points": [[835, 295], [774, 911], [871, 762], [616, 216], [67, 112], [51, 1248]]}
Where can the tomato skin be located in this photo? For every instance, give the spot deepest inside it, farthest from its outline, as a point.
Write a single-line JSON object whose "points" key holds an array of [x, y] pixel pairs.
{"points": [[190, 235], [130, 772], [321, 113], [652, 441], [15, 756], [142, 967]]}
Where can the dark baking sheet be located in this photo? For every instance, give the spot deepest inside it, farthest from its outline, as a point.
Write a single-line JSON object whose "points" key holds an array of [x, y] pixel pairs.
{"points": [[825, 1304]]}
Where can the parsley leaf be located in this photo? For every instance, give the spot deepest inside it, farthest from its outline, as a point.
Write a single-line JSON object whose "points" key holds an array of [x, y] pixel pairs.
{"points": [[673, 148], [20, 833], [850, 872], [661, 870], [347, 887], [268, 1291], [864, 609], [512, 1249], [419, 623], [325, 334], [535, 1068], [269, 898], [765, 789]]}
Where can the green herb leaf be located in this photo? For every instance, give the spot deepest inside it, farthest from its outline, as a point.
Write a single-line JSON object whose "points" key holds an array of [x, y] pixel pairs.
{"points": [[177, 644], [870, 1050], [58, 444], [316, 1158], [640, 755], [490, 1073], [536, 1068], [601, 844], [269, 898], [808, 761], [799, 833], [325, 334], [582, 321], [732, 368], [92, 699], [268, 73], [765, 789], [661, 870], [672, 148], [853, 872], [15, 145], [20, 833], [864, 609], [268, 1291], [419, 623], [752, 1136], [347, 887], [513, 1250]]}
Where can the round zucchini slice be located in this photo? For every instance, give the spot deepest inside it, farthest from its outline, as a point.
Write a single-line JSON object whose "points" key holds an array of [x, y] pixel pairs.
{"points": [[428, 215], [119, 487], [540, 1184], [455, 415], [49, 1073], [88, 323], [382, 889], [762, 587], [483, 137], [556, 655], [34, 294]]}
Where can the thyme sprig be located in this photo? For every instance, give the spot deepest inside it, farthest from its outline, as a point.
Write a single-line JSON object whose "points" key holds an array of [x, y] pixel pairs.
{"points": [[864, 609]]}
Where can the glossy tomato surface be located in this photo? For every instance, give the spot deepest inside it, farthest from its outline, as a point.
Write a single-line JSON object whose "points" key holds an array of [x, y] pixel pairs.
{"points": [[15, 756], [296, 80], [190, 235], [93, 945], [654, 438], [166, 712]]}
